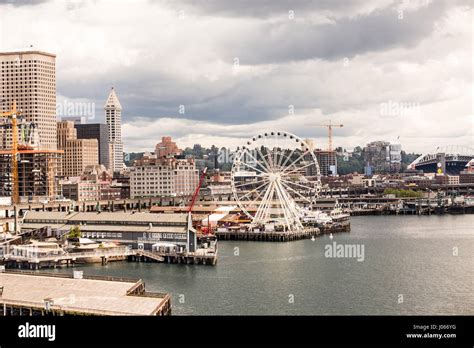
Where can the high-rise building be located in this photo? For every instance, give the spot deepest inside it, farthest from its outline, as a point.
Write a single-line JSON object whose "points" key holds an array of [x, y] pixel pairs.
{"points": [[36, 174], [65, 132], [327, 161], [78, 153], [97, 131], [113, 118], [29, 77], [27, 134], [382, 157], [166, 148]]}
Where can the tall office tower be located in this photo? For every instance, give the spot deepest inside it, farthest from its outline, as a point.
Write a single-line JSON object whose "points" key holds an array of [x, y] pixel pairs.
{"points": [[29, 77], [113, 118], [97, 131], [78, 153]]}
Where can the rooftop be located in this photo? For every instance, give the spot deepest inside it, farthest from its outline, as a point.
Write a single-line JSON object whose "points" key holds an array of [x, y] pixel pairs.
{"points": [[130, 217], [93, 296], [25, 51]]}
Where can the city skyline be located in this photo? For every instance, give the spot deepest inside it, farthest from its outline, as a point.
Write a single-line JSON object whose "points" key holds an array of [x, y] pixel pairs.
{"points": [[373, 67]]}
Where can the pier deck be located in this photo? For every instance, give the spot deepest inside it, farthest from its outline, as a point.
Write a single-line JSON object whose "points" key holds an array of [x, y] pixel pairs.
{"points": [[266, 236], [25, 294]]}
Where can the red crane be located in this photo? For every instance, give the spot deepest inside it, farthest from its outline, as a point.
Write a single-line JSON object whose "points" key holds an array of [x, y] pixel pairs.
{"points": [[196, 193]]}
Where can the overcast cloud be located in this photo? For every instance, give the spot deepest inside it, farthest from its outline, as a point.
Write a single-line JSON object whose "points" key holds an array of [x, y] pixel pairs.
{"points": [[241, 67]]}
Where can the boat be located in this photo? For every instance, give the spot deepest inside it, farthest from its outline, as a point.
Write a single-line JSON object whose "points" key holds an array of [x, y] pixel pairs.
{"points": [[314, 217], [337, 214]]}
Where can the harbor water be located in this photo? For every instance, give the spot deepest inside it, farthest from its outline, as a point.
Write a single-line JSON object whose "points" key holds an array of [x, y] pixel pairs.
{"points": [[405, 265]]}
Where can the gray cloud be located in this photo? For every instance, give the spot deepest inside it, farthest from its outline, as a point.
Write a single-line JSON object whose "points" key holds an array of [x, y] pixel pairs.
{"points": [[270, 8], [286, 40], [18, 3], [157, 62]]}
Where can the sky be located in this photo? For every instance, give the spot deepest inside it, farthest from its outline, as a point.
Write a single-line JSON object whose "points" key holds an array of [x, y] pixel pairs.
{"points": [[220, 71]]}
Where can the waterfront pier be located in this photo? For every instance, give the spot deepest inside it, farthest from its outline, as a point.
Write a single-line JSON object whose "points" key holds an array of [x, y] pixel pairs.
{"points": [[24, 293], [266, 236]]}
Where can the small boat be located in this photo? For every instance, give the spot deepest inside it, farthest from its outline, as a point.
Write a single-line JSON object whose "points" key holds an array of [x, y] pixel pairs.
{"points": [[315, 217], [337, 214]]}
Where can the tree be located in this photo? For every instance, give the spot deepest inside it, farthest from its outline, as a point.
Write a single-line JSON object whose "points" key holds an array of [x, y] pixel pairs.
{"points": [[401, 193], [75, 232]]}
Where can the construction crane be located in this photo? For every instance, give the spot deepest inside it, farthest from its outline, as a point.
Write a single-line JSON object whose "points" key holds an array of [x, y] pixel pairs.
{"points": [[196, 192], [195, 195], [13, 113], [329, 125], [50, 170]]}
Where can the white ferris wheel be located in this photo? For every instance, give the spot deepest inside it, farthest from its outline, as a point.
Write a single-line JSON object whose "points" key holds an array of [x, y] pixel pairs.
{"points": [[274, 175]]}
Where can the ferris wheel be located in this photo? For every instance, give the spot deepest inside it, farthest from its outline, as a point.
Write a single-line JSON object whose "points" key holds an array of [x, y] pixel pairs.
{"points": [[274, 175]]}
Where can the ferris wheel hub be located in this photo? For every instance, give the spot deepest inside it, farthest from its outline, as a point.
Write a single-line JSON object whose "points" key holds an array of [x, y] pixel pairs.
{"points": [[273, 177]]}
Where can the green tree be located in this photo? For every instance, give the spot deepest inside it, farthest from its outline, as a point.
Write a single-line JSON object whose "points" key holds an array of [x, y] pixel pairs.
{"points": [[400, 193], [75, 232]]}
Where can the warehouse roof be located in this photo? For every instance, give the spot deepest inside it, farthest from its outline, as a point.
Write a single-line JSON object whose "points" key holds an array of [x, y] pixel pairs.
{"points": [[93, 296], [117, 217], [138, 229]]}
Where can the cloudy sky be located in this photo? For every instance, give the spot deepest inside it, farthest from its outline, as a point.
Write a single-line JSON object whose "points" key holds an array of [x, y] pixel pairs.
{"points": [[220, 71]]}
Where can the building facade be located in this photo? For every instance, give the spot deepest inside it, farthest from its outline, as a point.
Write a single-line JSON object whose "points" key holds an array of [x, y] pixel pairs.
{"points": [[36, 174], [81, 190], [78, 153], [327, 161], [382, 157], [28, 136], [29, 77], [97, 131], [154, 177], [113, 119], [166, 148], [138, 230]]}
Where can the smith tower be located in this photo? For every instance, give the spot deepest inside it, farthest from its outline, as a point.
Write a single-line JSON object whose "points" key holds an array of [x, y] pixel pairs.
{"points": [[113, 118]]}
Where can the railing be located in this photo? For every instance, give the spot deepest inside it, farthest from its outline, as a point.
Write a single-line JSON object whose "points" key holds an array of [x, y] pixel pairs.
{"points": [[70, 276], [149, 254], [63, 308], [70, 256]]}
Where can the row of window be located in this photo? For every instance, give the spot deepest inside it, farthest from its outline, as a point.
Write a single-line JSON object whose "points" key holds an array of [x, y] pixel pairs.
{"points": [[102, 235], [28, 61]]}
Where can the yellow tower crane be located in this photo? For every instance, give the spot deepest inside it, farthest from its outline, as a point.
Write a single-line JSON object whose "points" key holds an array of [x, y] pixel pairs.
{"points": [[13, 113], [329, 125]]}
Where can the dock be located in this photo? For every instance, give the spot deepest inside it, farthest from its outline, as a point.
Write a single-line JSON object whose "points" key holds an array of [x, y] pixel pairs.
{"points": [[200, 257], [35, 262], [26, 293], [267, 236]]}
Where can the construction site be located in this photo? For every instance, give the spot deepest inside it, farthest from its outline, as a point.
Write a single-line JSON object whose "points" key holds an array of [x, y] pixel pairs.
{"points": [[27, 173]]}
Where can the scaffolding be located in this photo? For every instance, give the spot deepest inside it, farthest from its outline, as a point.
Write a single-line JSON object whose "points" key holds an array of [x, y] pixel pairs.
{"points": [[37, 171]]}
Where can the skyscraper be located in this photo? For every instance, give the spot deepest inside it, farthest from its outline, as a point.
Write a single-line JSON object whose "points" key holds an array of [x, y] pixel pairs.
{"points": [[29, 77], [97, 131], [113, 118], [78, 153]]}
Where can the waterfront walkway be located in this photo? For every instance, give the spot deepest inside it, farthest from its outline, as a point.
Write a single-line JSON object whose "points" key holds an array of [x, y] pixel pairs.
{"points": [[32, 261]]}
